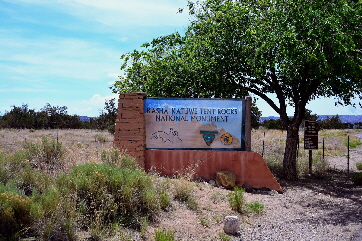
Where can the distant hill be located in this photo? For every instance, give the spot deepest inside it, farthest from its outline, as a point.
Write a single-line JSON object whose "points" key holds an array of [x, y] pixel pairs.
{"points": [[86, 118], [344, 118]]}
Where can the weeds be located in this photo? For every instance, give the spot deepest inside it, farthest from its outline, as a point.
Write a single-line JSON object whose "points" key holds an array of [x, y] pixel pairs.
{"points": [[18, 213], [101, 138], [204, 221], [184, 192], [164, 235], [46, 155], [237, 199], [91, 196], [224, 237], [359, 165], [353, 141], [254, 207], [237, 202], [111, 157], [357, 178]]}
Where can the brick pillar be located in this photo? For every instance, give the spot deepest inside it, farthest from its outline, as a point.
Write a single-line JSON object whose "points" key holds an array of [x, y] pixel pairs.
{"points": [[130, 133]]}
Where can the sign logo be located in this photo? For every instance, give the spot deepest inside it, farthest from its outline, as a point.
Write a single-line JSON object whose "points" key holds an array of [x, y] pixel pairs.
{"points": [[227, 139]]}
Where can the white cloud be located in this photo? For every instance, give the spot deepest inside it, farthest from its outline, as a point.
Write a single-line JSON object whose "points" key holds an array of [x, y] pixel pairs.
{"points": [[55, 56], [129, 13], [93, 106], [115, 77], [120, 12]]}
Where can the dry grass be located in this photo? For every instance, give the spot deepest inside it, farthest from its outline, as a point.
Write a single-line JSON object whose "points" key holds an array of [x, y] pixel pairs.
{"points": [[335, 144], [82, 146]]}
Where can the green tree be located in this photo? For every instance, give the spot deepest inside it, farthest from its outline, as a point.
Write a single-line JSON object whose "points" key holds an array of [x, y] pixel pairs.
{"points": [[107, 117], [255, 116], [273, 124], [295, 50], [333, 122], [56, 116], [23, 117]]}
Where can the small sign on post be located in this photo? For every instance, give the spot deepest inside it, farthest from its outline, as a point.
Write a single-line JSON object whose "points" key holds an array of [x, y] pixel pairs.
{"points": [[310, 139], [311, 135]]}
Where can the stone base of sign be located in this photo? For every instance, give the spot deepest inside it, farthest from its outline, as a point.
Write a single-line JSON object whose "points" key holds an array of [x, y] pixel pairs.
{"points": [[130, 138], [249, 167]]}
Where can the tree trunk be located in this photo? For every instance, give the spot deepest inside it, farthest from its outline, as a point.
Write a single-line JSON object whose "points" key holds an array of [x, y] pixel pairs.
{"points": [[290, 155]]}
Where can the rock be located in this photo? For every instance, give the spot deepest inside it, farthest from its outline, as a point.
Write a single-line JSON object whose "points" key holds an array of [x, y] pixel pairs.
{"points": [[231, 225], [212, 182], [226, 179]]}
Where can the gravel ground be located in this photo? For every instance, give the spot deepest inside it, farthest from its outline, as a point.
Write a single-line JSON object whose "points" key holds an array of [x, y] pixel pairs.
{"points": [[309, 209]]}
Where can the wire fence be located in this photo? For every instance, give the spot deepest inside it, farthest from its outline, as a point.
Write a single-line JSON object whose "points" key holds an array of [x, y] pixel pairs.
{"points": [[341, 148]]}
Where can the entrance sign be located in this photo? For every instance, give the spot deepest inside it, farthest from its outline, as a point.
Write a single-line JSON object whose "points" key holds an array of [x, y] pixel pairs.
{"points": [[195, 124], [311, 135]]}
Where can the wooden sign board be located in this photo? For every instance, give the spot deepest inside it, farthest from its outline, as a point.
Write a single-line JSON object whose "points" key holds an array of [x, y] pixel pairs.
{"points": [[311, 135], [195, 124]]}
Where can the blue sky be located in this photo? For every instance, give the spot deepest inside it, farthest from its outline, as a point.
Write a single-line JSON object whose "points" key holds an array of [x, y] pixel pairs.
{"points": [[67, 52]]}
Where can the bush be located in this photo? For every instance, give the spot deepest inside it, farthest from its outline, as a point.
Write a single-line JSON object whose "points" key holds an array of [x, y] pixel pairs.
{"points": [[46, 155], [357, 178], [29, 180], [353, 141], [17, 213], [59, 215], [254, 207], [359, 165], [237, 199], [224, 237], [184, 192], [114, 158], [10, 165], [111, 157], [108, 194], [164, 235]]}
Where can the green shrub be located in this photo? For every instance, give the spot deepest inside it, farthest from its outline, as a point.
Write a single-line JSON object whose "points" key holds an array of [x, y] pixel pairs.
{"points": [[128, 162], [320, 167], [353, 141], [224, 237], [11, 165], [359, 165], [108, 194], [164, 235], [47, 155], [111, 157], [184, 192], [29, 179], [357, 178], [101, 138], [114, 158], [254, 207], [237, 199], [59, 215], [17, 214], [165, 200]]}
